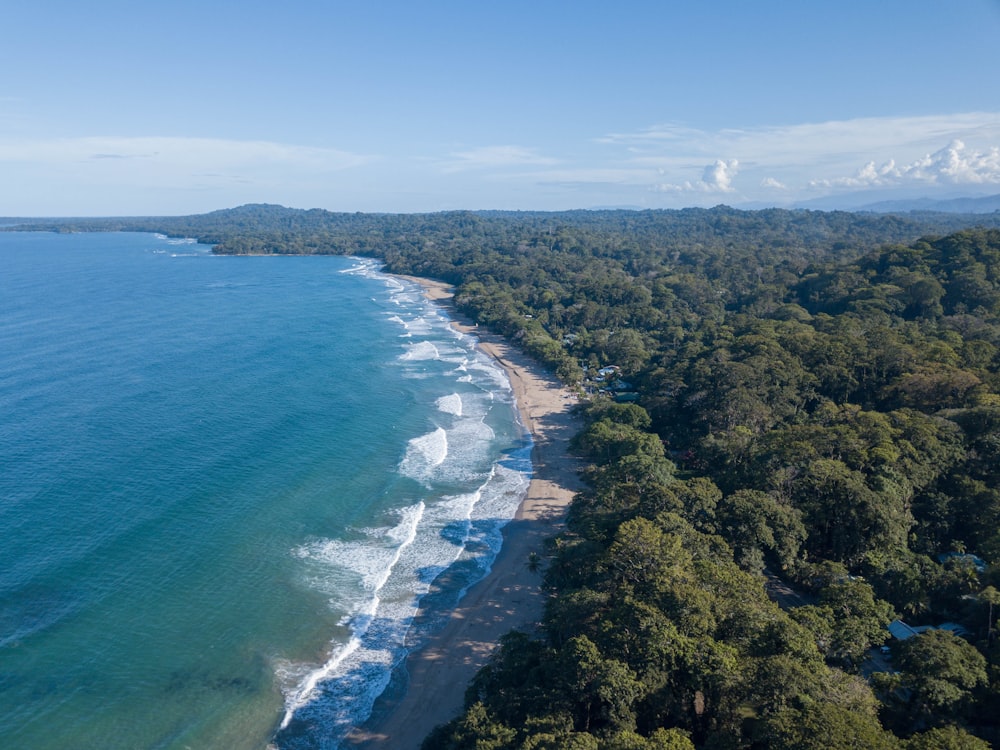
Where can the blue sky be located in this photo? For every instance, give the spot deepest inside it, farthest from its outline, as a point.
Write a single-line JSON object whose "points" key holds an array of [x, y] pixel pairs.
{"points": [[125, 108]]}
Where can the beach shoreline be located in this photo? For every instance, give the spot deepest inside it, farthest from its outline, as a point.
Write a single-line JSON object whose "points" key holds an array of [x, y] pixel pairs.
{"points": [[510, 596]]}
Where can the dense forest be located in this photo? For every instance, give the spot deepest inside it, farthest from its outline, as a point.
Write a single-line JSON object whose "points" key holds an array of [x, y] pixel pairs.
{"points": [[793, 437]]}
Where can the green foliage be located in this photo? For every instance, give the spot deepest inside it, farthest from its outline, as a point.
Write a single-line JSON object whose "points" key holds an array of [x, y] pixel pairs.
{"points": [[605, 441], [945, 738], [759, 526], [474, 730], [847, 622], [630, 415], [824, 727], [939, 674], [603, 691], [837, 420], [565, 741], [662, 739], [828, 388]]}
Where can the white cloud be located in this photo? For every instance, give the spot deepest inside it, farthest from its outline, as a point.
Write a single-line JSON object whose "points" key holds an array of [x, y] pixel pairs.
{"points": [[716, 178], [173, 157], [835, 138], [867, 176], [589, 176], [788, 162], [807, 159], [495, 156], [665, 165], [719, 176], [113, 175], [958, 165], [955, 164]]}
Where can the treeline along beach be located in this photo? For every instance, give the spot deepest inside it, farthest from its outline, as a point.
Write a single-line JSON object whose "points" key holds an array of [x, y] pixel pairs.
{"points": [[774, 398]]}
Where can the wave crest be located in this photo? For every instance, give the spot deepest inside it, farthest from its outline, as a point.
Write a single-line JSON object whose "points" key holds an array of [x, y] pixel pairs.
{"points": [[424, 454]]}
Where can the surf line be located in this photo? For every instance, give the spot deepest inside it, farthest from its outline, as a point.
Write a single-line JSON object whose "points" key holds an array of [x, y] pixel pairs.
{"points": [[361, 622]]}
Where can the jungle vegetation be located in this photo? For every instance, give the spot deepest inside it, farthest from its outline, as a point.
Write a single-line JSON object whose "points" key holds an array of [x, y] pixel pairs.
{"points": [[813, 399]]}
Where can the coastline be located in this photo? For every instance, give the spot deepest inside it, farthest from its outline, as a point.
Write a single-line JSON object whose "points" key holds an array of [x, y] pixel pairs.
{"points": [[510, 596]]}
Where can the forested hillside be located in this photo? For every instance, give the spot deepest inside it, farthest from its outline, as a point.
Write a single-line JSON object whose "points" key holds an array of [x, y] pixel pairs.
{"points": [[835, 422], [811, 396]]}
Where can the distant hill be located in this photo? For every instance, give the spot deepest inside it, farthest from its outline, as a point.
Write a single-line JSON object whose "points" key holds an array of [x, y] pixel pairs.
{"points": [[983, 205], [885, 201]]}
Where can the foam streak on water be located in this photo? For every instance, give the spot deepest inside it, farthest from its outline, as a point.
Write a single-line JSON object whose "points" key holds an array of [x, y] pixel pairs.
{"points": [[460, 532], [424, 454], [466, 490], [375, 570], [451, 404]]}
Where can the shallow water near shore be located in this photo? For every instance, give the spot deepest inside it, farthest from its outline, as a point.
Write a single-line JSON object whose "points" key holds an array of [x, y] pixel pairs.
{"points": [[226, 484]]}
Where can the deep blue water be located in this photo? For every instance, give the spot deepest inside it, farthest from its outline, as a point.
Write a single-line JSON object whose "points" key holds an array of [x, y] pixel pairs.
{"points": [[225, 483]]}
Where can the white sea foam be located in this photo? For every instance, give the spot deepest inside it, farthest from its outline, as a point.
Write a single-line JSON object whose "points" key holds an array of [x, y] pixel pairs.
{"points": [[406, 298], [374, 577], [459, 529], [366, 267], [470, 452], [418, 325], [421, 325], [366, 562], [342, 691], [497, 378], [451, 404], [423, 350], [424, 454], [377, 579]]}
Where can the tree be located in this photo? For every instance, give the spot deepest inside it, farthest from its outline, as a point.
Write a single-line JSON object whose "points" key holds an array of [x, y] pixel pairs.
{"points": [[945, 738], [605, 441], [514, 679], [632, 415], [992, 598], [846, 517], [661, 739], [564, 740], [474, 730], [940, 671], [755, 524], [782, 682], [859, 619], [823, 726], [646, 558], [604, 690], [627, 350]]}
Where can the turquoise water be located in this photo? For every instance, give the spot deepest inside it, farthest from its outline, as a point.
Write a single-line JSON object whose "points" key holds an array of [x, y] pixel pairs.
{"points": [[225, 483]]}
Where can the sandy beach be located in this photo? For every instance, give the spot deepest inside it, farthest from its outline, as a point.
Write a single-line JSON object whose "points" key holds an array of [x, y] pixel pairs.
{"points": [[510, 596]]}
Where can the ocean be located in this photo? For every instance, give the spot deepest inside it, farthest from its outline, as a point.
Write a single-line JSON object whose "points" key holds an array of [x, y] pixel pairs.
{"points": [[226, 483]]}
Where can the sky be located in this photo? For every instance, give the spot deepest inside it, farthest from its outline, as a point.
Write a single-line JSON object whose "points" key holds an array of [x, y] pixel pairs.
{"points": [[124, 108]]}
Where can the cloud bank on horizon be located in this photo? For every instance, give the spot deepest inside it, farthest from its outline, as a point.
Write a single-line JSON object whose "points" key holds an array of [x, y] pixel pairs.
{"points": [[665, 166], [800, 162]]}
